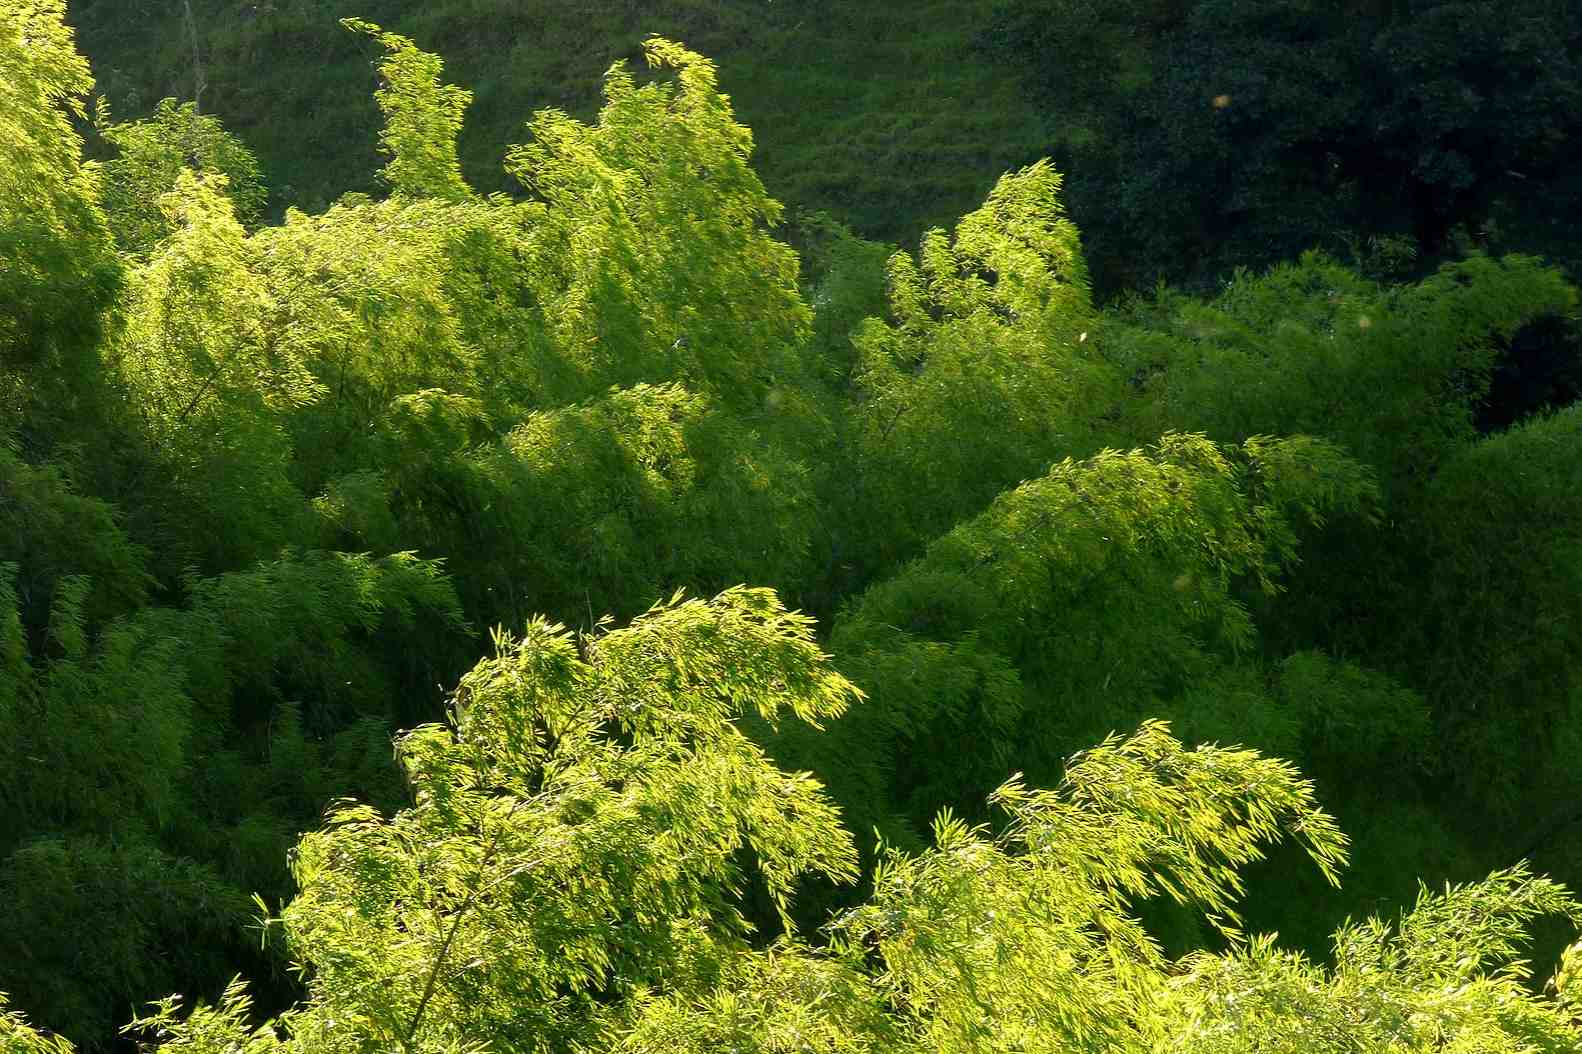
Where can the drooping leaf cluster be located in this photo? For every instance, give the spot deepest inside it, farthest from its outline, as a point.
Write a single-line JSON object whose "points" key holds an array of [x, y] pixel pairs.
{"points": [[568, 875]]}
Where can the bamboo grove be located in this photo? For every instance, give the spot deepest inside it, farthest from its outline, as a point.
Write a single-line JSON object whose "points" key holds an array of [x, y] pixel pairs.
{"points": [[881, 651]]}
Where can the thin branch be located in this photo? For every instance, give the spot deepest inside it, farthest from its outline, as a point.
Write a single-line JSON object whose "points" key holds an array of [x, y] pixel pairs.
{"points": [[444, 951], [1553, 828], [199, 81], [192, 405], [479, 887], [886, 433]]}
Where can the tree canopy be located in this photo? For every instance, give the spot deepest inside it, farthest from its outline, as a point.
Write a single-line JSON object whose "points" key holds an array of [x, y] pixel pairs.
{"points": [[1193, 672]]}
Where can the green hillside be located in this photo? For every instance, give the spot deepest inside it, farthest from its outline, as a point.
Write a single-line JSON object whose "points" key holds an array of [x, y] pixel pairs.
{"points": [[1197, 137], [889, 115]]}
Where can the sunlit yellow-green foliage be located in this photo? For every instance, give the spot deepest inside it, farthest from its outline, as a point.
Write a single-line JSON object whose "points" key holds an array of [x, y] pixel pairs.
{"points": [[267, 491], [653, 243], [986, 339], [210, 376], [59, 272], [569, 873], [1027, 941], [582, 830], [150, 155], [17, 1038], [1448, 976], [422, 116]]}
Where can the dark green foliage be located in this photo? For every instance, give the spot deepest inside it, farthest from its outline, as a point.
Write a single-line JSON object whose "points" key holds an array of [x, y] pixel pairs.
{"points": [[1213, 133], [1395, 374], [215, 731], [1364, 739], [1076, 603], [602, 505], [1348, 124], [49, 529], [1540, 368], [1400, 376], [1495, 637], [881, 113], [89, 927], [123, 774], [1370, 746], [1352, 722]]}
